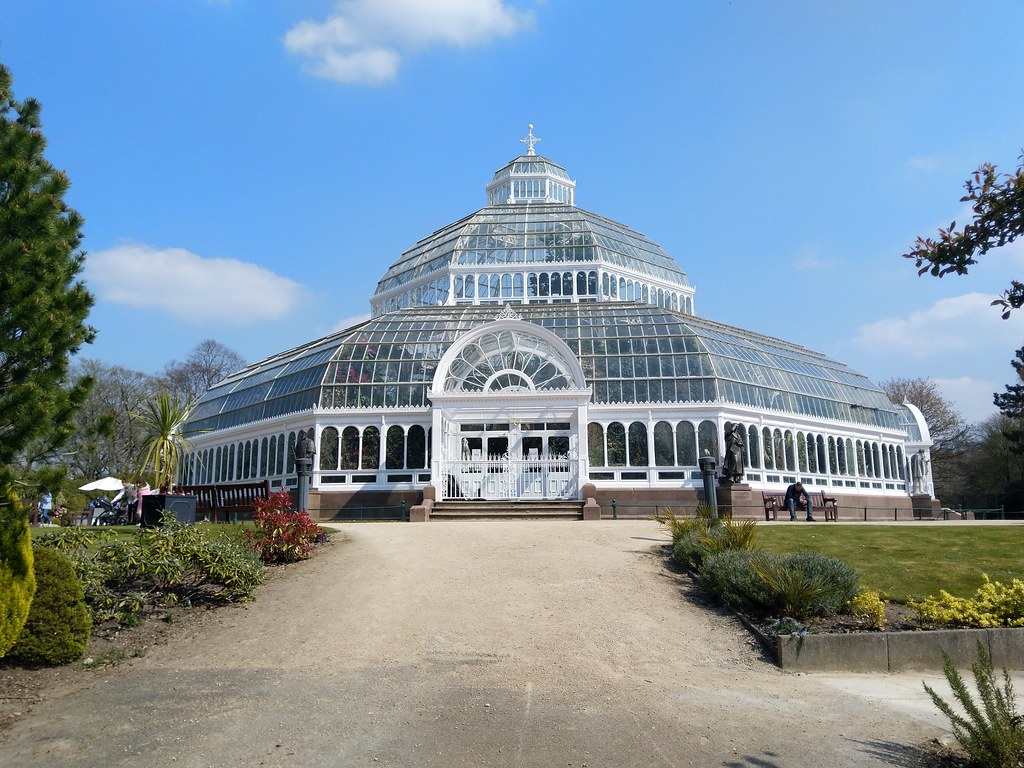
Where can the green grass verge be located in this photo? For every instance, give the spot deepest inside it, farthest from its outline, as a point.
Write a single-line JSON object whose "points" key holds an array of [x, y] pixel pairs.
{"points": [[910, 562]]}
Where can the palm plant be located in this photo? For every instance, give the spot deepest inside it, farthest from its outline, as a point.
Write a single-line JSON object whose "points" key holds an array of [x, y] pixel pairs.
{"points": [[164, 447]]}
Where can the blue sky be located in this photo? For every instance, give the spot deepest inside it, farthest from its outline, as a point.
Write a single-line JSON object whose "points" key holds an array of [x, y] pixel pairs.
{"points": [[247, 170]]}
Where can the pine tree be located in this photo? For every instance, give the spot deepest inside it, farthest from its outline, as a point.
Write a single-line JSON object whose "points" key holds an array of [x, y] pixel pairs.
{"points": [[1011, 404], [43, 307], [43, 303]]}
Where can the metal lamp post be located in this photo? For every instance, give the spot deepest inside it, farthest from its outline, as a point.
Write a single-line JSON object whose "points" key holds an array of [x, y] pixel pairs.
{"points": [[708, 466]]}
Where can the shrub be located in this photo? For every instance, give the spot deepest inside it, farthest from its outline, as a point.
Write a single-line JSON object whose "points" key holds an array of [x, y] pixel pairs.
{"points": [[993, 605], [729, 576], [282, 535], [730, 535], [805, 583], [688, 550], [123, 577], [869, 604], [992, 733], [59, 625], [17, 577], [695, 537]]}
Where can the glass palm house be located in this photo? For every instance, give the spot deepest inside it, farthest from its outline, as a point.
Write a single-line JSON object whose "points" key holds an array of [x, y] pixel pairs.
{"points": [[536, 350]]}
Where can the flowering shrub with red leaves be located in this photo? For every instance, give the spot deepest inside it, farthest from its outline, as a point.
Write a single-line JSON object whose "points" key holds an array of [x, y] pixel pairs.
{"points": [[282, 535]]}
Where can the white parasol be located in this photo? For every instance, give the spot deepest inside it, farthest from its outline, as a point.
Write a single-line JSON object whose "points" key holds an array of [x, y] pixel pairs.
{"points": [[103, 484]]}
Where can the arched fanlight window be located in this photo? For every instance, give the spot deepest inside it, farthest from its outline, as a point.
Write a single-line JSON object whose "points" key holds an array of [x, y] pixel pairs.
{"points": [[506, 360]]}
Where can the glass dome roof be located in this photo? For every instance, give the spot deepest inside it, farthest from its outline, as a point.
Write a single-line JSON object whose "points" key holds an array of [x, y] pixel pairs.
{"points": [[630, 353], [526, 233], [531, 220]]}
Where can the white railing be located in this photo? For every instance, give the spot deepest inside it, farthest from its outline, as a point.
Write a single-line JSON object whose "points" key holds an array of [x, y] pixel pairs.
{"points": [[510, 477]]}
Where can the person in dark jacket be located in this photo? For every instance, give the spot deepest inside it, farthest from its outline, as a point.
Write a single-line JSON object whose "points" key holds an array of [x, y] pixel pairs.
{"points": [[796, 496]]}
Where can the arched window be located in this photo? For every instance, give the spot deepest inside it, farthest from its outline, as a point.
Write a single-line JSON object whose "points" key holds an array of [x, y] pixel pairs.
{"points": [[394, 455], [707, 438], [567, 283], [686, 444], [769, 453], [753, 447], [349, 454], [595, 444], [638, 445], [470, 286], [545, 284], [272, 467], [280, 454], [264, 456], [861, 464], [900, 462], [788, 448], [232, 466], [517, 286], [616, 445], [329, 449], [801, 451], [417, 448], [289, 454], [664, 453], [370, 455], [819, 442]]}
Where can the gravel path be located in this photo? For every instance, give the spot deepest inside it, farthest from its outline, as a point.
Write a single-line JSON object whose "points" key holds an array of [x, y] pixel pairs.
{"points": [[456, 644]]}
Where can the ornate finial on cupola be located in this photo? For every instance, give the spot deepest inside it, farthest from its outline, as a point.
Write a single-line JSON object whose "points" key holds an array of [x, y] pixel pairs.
{"points": [[530, 140]]}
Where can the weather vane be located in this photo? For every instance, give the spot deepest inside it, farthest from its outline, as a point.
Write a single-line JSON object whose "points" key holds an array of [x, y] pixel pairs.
{"points": [[530, 140]]}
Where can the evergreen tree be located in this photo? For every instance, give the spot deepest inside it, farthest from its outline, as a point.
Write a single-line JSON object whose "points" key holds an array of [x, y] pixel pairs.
{"points": [[1011, 404], [43, 307], [43, 303]]}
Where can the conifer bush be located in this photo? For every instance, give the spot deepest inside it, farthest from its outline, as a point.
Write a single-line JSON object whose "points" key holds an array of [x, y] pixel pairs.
{"points": [[59, 624], [17, 576], [990, 730]]}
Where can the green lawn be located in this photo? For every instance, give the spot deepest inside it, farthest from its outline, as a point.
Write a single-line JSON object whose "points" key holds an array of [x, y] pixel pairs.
{"points": [[910, 562]]}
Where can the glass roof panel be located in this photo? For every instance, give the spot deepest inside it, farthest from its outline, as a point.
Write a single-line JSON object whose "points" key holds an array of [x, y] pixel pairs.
{"points": [[677, 357]]}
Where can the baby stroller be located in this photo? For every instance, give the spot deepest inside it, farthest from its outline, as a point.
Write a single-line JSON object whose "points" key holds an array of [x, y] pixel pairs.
{"points": [[106, 512]]}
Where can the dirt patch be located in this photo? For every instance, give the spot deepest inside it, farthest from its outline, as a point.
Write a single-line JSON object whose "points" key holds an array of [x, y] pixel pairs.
{"points": [[21, 689], [457, 644]]}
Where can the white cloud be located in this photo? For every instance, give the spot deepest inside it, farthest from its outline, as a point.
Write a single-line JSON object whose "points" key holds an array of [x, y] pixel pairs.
{"points": [[348, 322], [927, 162], [971, 397], [363, 41], [188, 287], [949, 325], [811, 259]]}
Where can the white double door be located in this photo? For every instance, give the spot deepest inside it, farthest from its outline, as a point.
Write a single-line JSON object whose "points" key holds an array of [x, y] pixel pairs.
{"points": [[511, 461]]}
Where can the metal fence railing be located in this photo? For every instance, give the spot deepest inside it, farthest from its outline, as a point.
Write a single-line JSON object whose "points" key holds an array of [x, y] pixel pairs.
{"points": [[367, 512], [847, 513]]}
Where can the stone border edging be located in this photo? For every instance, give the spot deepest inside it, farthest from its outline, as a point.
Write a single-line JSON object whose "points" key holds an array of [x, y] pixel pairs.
{"points": [[892, 651]]}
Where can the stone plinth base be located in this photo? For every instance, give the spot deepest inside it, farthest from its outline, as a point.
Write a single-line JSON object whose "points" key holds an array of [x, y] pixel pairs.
{"points": [[736, 498]]}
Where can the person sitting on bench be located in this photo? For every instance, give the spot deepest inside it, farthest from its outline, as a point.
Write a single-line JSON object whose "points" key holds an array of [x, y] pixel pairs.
{"points": [[796, 496]]}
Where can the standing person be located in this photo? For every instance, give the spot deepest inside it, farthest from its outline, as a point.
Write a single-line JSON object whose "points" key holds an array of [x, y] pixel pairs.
{"points": [[796, 496], [141, 489], [45, 505]]}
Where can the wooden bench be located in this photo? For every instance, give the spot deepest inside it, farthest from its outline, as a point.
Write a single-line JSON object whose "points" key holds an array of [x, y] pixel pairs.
{"points": [[235, 501], [776, 502]]}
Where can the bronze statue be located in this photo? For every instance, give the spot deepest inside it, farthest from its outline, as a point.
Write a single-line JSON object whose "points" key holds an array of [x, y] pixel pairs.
{"points": [[733, 469]]}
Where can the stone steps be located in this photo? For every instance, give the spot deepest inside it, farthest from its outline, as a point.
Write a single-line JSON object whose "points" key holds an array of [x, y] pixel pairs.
{"points": [[483, 509]]}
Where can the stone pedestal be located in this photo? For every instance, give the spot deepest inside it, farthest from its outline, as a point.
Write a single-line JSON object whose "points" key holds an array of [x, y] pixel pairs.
{"points": [[924, 506], [736, 500]]}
